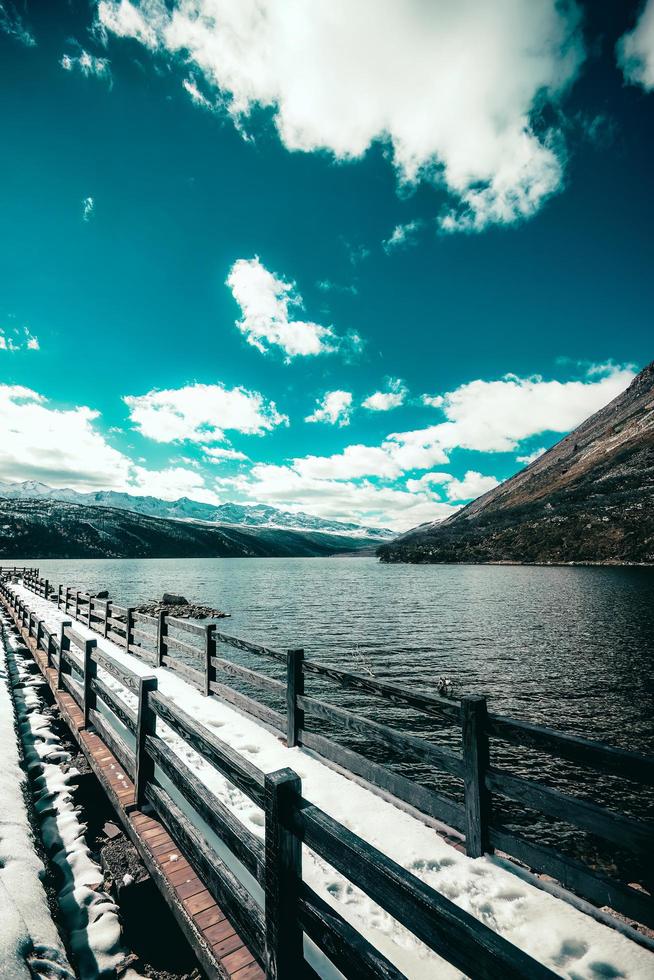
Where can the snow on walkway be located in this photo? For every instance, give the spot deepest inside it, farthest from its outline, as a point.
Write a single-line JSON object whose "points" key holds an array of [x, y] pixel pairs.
{"points": [[572, 944], [28, 934]]}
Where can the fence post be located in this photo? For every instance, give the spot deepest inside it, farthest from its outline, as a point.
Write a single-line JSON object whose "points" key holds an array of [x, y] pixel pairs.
{"points": [[162, 633], [39, 630], [50, 648], [77, 604], [209, 652], [47, 588], [145, 725], [106, 617], [59, 588], [64, 644], [474, 733], [294, 689], [129, 622], [67, 599], [88, 621], [283, 877], [90, 673]]}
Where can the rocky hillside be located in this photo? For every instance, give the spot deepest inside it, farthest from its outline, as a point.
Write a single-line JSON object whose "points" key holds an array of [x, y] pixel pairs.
{"points": [[48, 528], [588, 499]]}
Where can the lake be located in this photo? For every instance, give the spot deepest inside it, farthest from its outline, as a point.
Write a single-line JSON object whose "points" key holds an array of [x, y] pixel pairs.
{"points": [[571, 648]]}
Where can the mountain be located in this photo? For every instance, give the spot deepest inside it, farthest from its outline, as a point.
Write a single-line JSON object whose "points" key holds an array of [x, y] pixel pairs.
{"points": [[249, 515], [43, 527], [588, 499]]}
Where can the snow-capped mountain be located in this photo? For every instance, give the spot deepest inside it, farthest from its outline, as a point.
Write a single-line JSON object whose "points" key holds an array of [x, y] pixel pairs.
{"points": [[248, 515]]}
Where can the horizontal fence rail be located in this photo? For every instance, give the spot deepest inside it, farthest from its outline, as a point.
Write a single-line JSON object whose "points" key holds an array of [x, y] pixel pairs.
{"points": [[199, 654]]}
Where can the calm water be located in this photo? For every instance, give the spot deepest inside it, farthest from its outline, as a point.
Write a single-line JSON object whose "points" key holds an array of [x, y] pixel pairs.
{"points": [[572, 648]]}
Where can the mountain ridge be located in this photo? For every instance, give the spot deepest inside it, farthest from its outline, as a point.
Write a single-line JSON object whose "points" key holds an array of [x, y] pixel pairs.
{"points": [[588, 499], [49, 528], [183, 509]]}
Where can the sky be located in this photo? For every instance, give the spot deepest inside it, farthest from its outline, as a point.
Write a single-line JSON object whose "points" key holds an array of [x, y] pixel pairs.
{"points": [[360, 260]]}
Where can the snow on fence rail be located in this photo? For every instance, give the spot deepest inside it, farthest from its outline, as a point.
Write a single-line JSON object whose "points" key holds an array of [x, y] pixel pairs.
{"points": [[164, 640], [274, 932]]}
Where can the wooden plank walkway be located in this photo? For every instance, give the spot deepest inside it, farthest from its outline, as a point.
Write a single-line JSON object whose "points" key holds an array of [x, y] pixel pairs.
{"points": [[214, 940]]}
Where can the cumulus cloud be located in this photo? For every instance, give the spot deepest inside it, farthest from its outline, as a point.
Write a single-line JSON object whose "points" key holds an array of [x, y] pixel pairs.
{"points": [[14, 339], [170, 484], [402, 235], [335, 407], [471, 486], [384, 401], [124, 19], [433, 401], [427, 481], [64, 448], [201, 413], [266, 302], [364, 501], [59, 446], [495, 416], [86, 63], [354, 462], [450, 89], [635, 50]]}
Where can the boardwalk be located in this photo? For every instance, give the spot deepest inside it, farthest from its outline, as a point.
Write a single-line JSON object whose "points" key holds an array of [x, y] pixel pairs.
{"points": [[213, 928]]}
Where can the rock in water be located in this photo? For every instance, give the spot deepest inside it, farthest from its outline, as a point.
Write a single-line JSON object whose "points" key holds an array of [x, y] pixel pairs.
{"points": [[170, 599], [589, 499]]}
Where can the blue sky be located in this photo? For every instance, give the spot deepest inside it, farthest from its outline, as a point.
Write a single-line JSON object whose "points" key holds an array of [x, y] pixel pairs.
{"points": [[362, 262]]}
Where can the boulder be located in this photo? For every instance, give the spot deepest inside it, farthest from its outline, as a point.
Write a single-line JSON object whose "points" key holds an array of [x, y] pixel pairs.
{"points": [[170, 599]]}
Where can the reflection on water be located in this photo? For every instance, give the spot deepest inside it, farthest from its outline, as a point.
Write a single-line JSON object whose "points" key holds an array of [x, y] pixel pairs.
{"points": [[570, 648]]}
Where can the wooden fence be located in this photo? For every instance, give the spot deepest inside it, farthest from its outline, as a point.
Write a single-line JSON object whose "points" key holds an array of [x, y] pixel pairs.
{"points": [[163, 640], [132, 721], [9, 571]]}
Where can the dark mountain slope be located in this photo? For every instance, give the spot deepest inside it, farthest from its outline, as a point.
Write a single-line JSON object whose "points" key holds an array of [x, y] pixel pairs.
{"points": [[588, 499], [54, 529]]}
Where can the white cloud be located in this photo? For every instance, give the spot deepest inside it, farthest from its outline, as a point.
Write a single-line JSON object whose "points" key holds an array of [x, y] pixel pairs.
{"points": [[402, 235], [88, 205], [87, 63], [201, 413], [190, 85], [63, 448], [124, 19], [635, 50], [450, 88], [531, 456], [13, 25], [214, 454], [334, 407], [170, 484], [471, 486], [495, 416], [364, 502], [59, 446], [384, 401], [266, 301], [354, 462], [427, 481], [433, 401], [15, 339]]}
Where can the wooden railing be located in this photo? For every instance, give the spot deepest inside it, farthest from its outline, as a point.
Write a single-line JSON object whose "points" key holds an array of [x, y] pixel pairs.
{"points": [[9, 571], [273, 922], [165, 640]]}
